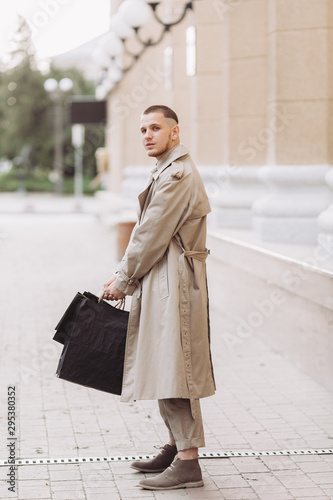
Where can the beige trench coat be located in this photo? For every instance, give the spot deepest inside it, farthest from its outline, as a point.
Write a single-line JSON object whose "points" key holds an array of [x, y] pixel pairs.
{"points": [[168, 346]]}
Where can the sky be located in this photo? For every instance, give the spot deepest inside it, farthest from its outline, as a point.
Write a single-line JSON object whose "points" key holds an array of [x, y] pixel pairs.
{"points": [[57, 25]]}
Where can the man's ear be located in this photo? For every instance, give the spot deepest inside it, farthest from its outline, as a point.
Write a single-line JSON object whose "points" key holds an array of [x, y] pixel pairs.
{"points": [[175, 132]]}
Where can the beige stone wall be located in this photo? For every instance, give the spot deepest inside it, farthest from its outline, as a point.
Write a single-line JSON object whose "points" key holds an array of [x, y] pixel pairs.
{"points": [[300, 71], [262, 92], [247, 80]]}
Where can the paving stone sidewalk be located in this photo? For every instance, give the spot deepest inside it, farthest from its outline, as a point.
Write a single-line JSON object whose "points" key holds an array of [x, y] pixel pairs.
{"points": [[262, 401]]}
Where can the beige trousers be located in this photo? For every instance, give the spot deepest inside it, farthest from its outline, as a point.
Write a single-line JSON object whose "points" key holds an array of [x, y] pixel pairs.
{"points": [[186, 431]]}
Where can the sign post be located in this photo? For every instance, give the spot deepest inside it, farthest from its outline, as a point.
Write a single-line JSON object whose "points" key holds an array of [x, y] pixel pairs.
{"points": [[78, 142]]}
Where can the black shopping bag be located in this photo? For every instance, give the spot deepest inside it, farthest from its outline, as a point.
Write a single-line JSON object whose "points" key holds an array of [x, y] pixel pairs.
{"points": [[94, 338]]}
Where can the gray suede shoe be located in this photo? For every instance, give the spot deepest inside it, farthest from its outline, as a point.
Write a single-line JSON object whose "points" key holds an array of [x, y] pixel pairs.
{"points": [[180, 474], [158, 463]]}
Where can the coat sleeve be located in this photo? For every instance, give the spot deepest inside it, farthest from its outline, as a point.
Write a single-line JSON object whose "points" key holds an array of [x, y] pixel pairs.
{"points": [[151, 238]]}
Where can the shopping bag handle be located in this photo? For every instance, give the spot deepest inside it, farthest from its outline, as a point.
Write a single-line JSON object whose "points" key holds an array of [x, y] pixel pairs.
{"points": [[120, 304]]}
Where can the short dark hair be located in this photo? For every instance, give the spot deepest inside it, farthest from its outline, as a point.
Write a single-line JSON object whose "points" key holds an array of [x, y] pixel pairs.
{"points": [[160, 108]]}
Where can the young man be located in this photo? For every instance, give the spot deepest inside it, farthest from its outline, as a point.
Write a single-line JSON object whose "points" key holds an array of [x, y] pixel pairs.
{"points": [[168, 346]]}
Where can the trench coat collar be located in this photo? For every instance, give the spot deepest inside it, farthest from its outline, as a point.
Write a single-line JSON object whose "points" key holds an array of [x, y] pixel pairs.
{"points": [[173, 154]]}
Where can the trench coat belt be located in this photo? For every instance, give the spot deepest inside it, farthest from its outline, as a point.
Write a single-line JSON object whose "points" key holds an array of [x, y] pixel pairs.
{"points": [[202, 256], [185, 315]]}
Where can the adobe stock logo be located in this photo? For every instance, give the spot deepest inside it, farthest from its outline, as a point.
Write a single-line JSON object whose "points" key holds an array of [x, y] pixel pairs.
{"points": [[224, 7], [41, 17], [277, 123], [256, 318], [121, 106]]}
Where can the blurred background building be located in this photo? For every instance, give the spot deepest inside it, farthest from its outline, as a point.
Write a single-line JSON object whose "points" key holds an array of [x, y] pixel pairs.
{"points": [[251, 81]]}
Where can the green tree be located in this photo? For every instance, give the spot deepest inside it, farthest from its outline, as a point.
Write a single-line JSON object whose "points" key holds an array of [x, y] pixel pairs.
{"points": [[24, 102], [27, 110]]}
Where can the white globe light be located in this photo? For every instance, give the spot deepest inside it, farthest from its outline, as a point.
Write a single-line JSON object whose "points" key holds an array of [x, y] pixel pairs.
{"points": [[65, 84], [120, 27], [136, 13], [115, 74], [100, 93], [112, 45], [101, 58], [50, 85]]}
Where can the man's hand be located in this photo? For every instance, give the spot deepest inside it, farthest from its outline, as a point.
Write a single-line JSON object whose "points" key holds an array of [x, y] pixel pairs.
{"points": [[111, 292]]}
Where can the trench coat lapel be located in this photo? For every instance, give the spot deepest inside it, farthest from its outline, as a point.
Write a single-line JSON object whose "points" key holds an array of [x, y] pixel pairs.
{"points": [[143, 195], [176, 152]]}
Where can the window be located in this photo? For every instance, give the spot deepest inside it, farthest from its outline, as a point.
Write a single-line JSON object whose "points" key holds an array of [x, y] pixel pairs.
{"points": [[168, 68], [191, 55]]}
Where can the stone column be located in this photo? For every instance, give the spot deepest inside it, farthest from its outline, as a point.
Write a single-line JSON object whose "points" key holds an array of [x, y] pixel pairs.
{"points": [[289, 211], [206, 86], [242, 145], [231, 190], [299, 84]]}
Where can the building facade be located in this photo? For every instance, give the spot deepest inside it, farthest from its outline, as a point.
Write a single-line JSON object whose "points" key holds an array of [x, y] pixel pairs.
{"points": [[251, 81]]}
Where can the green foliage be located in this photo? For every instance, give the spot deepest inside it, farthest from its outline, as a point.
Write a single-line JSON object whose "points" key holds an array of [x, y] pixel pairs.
{"points": [[23, 101], [27, 111], [38, 181]]}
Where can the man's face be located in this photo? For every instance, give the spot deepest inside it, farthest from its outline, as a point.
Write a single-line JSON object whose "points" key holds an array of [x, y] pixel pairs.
{"points": [[158, 134]]}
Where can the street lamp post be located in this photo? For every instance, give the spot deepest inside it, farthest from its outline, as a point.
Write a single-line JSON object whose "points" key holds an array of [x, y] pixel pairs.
{"points": [[57, 90], [78, 142]]}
